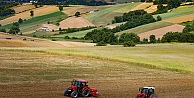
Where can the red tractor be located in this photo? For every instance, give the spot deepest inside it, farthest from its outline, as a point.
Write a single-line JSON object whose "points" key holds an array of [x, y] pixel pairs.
{"points": [[146, 92], [80, 88]]}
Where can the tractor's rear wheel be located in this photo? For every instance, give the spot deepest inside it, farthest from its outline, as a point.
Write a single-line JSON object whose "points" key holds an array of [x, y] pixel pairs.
{"points": [[74, 94], [86, 92]]}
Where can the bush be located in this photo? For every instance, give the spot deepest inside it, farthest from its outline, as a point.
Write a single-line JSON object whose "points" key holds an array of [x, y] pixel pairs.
{"points": [[129, 44], [101, 43]]}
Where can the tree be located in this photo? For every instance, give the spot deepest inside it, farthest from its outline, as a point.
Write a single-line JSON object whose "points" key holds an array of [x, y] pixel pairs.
{"points": [[77, 14], [2, 30], [126, 37], [129, 44], [60, 7], [159, 18], [152, 39], [15, 28], [31, 13], [20, 20]]}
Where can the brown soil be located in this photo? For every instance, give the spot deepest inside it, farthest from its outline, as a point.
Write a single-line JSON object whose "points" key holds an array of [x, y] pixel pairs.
{"points": [[165, 88], [75, 22], [26, 15], [161, 31]]}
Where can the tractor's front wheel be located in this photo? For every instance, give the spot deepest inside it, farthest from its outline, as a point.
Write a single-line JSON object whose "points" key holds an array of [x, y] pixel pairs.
{"points": [[74, 94], [153, 96], [86, 92]]}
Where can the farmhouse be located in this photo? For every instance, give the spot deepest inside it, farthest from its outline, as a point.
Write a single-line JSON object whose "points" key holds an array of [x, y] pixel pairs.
{"points": [[45, 28]]}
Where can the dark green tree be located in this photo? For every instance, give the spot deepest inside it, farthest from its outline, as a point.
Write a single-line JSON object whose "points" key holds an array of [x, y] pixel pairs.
{"points": [[77, 14], [31, 13], [14, 29], [20, 20], [126, 37], [152, 39], [60, 7], [159, 18]]}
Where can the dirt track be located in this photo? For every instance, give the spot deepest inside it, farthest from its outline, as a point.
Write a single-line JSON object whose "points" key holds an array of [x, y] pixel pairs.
{"points": [[165, 88]]}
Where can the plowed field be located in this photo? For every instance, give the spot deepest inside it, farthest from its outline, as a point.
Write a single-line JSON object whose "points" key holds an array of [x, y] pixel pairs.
{"points": [[161, 31]]}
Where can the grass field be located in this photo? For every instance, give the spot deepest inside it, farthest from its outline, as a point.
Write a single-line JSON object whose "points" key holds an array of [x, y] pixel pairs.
{"points": [[175, 57], [36, 22], [180, 11], [106, 14], [147, 27]]}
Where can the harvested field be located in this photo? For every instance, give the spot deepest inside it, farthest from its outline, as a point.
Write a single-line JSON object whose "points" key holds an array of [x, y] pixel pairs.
{"points": [[75, 22], [7, 40], [181, 19], [161, 31], [80, 8], [36, 73], [23, 7], [26, 15], [142, 6], [151, 9]]}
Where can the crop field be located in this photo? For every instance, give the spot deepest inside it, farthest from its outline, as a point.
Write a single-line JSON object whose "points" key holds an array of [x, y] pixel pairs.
{"points": [[178, 12], [147, 27], [26, 15], [106, 14], [36, 22], [46, 72]]}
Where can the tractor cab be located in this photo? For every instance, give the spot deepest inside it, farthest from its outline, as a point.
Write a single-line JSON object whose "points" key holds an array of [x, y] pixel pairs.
{"points": [[79, 83], [147, 92]]}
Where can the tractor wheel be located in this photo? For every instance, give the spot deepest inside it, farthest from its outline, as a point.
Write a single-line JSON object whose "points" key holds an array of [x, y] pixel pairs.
{"points": [[65, 92], [74, 94], [153, 96], [86, 92]]}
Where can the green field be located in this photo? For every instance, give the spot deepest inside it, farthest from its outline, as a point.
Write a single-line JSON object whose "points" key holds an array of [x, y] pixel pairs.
{"points": [[145, 28], [46, 64], [36, 22], [106, 14], [180, 11], [174, 57]]}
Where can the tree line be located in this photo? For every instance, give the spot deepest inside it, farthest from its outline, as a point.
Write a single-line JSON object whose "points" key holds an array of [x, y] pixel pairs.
{"points": [[5, 9]]}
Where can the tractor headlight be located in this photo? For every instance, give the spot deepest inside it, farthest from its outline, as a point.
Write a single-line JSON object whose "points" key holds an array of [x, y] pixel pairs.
{"points": [[97, 93], [69, 90]]}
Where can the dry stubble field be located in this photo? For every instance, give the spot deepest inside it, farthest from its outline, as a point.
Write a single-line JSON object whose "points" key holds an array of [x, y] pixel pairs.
{"points": [[35, 72]]}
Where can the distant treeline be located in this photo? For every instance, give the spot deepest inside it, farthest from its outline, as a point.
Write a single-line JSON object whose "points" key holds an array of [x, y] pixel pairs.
{"points": [[5, 9], [74, 2], [71, 30]]}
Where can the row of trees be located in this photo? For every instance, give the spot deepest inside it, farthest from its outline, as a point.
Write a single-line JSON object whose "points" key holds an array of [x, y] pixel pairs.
{"points": [[134, 19], [71, 30], [5, 9]]}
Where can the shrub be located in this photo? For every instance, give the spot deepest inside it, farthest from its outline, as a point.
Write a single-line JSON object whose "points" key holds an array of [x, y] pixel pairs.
{"points": [[129, 44]]}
